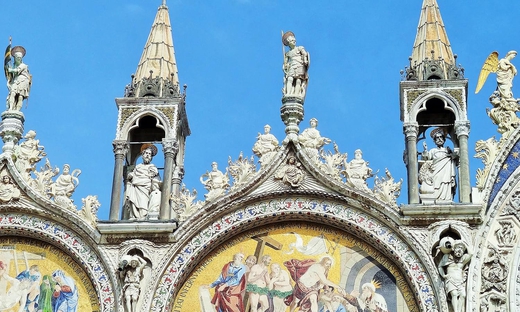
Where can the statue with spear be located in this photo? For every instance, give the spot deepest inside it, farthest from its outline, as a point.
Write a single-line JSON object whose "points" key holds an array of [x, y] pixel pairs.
{"points": [[295, 66], [18, 77]]}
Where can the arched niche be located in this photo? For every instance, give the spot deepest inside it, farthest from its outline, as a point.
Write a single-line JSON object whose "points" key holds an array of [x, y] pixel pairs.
{"points": [[367, 236]]}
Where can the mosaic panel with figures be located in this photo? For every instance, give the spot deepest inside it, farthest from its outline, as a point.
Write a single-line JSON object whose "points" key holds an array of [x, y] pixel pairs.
{"points": [[36, 276], [295, 264]]}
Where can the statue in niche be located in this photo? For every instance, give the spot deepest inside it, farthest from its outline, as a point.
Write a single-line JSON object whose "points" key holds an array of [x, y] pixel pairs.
{"points": [[453, 270], [311, 139], [28, 153], [265, 145], [215, 182], [295, 67], [8, 191], [131, 272], [357, 172], [437, 174], [61, 190], [143, 186], [18, 78], [291, 173]]}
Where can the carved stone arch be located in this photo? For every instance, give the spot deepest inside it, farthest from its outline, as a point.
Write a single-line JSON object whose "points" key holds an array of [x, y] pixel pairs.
{"points": [[193, 247], [495, 269], [90, 260], [419, 104], [131, 121]]}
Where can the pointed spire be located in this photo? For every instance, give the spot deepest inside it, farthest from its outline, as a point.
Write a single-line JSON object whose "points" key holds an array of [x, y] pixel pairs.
{"points": [[432, 49], [158, 58]]}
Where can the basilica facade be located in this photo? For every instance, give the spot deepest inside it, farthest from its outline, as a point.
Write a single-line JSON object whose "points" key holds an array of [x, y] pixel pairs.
{"points": [[296, 227]]}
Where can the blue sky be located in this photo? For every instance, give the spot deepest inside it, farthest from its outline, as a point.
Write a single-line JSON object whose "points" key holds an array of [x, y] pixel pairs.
{"points": [[81, 55]]}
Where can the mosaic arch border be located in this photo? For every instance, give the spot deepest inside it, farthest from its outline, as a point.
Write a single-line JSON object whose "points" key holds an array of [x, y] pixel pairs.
{"points": [[499, 207], [357, 222], [70, 243]]}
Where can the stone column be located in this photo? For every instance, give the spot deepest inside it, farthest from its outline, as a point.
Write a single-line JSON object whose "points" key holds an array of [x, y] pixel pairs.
{"points": [[11, 129], [120, 150], [462, 131], [411, 130], [170, 149], [292, 114]]}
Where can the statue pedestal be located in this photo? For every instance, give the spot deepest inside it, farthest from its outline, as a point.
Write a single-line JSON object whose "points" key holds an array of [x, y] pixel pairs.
{"points": [[11, 129], [292, 114]]}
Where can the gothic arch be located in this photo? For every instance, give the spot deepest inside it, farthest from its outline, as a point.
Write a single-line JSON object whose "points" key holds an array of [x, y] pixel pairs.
{"points": [[131, 116], [450, 104]]}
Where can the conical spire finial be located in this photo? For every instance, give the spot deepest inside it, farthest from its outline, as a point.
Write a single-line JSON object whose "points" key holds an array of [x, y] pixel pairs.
{"points": [[158, 58], [432, 45]]}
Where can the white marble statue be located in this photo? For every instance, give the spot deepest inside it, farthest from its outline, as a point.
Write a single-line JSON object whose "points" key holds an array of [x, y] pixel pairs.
{"points": [[18, 80], [452, 268], [61, 190], [438, 173], [291, 173], [27, 154], [295, 66], [505, 105], [505, 71], [131, 272], [215, 182], [265, 146], [311, 139], [143, 194], [357, 172], [8, 191]]}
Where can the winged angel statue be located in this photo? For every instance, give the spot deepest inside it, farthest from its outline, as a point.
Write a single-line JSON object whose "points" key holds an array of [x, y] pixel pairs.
{"points": [[504, 104]]}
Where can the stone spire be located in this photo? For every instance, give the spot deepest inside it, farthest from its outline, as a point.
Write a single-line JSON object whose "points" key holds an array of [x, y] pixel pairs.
{"points": [[156, 74], [432, 57]]}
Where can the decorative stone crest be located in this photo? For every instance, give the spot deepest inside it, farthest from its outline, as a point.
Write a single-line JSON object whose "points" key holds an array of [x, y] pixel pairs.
{"points": [[487, 151], [386, 189], [185, 205], [333, 162], [88, 211], [242, 170]]}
